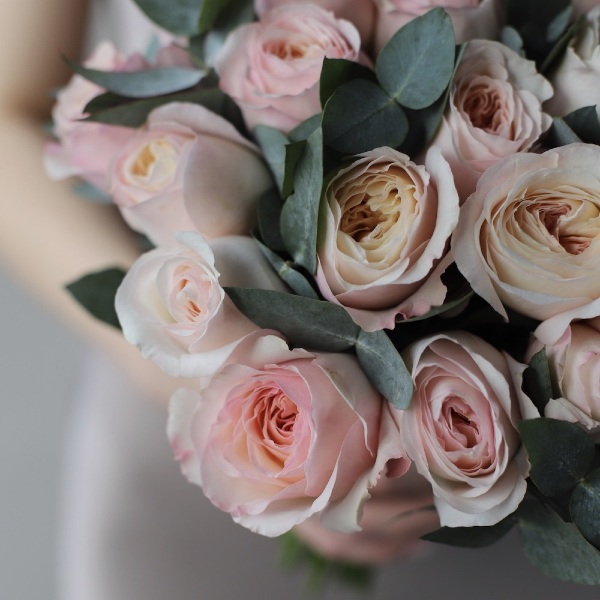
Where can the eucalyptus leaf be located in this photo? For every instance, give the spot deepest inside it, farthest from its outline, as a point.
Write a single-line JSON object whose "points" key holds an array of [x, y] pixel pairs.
{"points": [[299, 217], [416, 64], [141, 84], [510, 37], [471, 537], [272, 142], [181, 17], [537, 380], [560, 453], [556, 548], [584, 123], [384, 367], [268, 217], [91, 192], [360, 116], [561, 134], [303, 131], [209, 12], [293, 153], [96, 293], [337, 71], [585, 507]]}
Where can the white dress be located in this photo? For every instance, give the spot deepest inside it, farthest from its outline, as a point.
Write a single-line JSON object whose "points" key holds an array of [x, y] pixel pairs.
{"points": [[134, 529]]}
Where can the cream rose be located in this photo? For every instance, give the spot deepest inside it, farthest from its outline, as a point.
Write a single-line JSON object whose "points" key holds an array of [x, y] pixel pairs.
{"points": [[271, 68], [171, 303], [576, 80], [170, 176], [529, 237], [471, 18], [460, 429], [494, 110], [384, 227], [279, 435], [574, 362]]}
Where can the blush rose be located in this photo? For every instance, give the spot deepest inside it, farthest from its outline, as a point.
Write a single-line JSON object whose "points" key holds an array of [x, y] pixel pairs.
{"points": [[171, 303], [494, 110], [529, 237], [279, 435], [460, 429], [385, 227], [171, 176], [271, 68]]}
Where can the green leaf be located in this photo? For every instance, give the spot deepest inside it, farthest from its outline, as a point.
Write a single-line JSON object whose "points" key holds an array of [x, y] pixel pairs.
{"points": [[585, 507], [537, 380], [303, 131], [141, 84], [360, 116], [272, 142], [96, 293], [292, 277], [471, 537], [560, 134], [268, 216], [510, 37], [209, 12], [555, 547], [90, 192], [584, 123], [299, 217], [293, 153], [560, 453], [384, 367], [337, 71], [181, 17], [416, 64]]}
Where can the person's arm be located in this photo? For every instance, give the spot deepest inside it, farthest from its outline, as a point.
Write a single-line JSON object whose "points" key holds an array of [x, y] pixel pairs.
{"points": [[48, 235]]}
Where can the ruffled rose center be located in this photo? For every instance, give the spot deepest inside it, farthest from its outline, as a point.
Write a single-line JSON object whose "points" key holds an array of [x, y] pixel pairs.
{"points": [[485, 106], [154, 165]]}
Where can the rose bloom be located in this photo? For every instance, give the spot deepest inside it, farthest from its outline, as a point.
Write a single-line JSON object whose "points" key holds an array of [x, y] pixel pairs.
{"points": [[359, 12], [581, 7], [172, 305], [175, 175], [576, 79], [271, 68], [279, 435], [574, 362], [494, 110], [529, 237], [385, 226], [460, 429], [471, 18]]}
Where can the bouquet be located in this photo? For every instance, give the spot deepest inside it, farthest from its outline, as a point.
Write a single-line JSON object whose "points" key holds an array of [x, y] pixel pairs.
{"points": [[370, 238]]}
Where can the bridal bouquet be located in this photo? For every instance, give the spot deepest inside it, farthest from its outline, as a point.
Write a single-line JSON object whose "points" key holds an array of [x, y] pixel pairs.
{"points": [[372, 240]]}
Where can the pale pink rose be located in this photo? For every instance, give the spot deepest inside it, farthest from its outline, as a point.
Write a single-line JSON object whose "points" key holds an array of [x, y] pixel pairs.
{"points": [[171, 303], [85, 149], [576, 79], [188, 169], [279, 435], [574, 362], [271, 68], [359, 12], [471, 18], [385, 227], [461, 427], [494, 110], [529, 237]]}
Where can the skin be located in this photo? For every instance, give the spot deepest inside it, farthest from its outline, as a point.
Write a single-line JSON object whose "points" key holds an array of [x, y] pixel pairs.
{"points": [[47, 240]]}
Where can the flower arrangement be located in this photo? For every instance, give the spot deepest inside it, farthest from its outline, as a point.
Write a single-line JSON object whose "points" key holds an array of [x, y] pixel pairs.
{"points": [[374, 231]]}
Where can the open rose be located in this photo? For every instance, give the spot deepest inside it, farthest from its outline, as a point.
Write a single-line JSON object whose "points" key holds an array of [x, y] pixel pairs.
{"points": [[359, 12], [279, 435], [576, 79], [471, 18], [272, 68], [385, 226], [171, 303], [529, 237], [170, 176], [460, 429], [574, 362], [494, 110]]}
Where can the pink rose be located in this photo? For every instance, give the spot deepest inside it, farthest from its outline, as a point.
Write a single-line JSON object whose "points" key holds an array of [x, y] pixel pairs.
{"points": [[359, 12], [279, 435], [175, 175], [471, 18], [271, 68], [171, 303], [460, 429], [494, 110], [576, 79], [574, 362], [385, 226], [85, 149], [528, 238]]}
